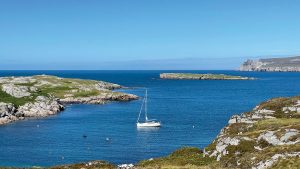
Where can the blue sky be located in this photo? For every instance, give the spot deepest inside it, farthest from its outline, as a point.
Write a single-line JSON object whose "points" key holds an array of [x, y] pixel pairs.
{"points": [[145, 34]]}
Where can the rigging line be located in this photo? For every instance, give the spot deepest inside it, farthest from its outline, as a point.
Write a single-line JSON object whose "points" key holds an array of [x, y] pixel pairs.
{"points": [[146, 111], [141, 110]]}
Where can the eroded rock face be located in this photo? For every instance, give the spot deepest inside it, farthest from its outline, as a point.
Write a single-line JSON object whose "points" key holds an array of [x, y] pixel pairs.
{"points": [[7, 113], [222, 144], [42, 107], [6, 109], [109, 86], [100, 99], [271, 138], [16, 91], [286, 64], [268, 163], [251, 65], [252, 117]]}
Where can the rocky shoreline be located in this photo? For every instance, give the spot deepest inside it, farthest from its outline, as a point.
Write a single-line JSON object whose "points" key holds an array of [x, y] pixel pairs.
{"points": [[42, 96], [271, 129], [266, 137], [194, 76]]}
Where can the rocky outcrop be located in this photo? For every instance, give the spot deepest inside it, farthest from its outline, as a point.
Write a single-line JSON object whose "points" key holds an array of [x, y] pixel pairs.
{"points": [[252, 117], [104, 85], [16, 91], [100, 99], [269, 163], [271, 128], [7, 113], [287, 64], [42, 107], [271, 138]]}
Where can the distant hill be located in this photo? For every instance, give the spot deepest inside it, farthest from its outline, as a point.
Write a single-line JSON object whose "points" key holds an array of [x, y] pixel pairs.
{"points": [[286, 64]]}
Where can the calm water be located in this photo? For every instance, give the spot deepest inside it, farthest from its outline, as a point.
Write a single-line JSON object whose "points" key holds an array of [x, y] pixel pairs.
{"points": [[180, 105]]}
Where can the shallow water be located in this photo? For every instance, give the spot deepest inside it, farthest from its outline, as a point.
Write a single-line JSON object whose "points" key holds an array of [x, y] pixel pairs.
{"points": [[179, 104]]}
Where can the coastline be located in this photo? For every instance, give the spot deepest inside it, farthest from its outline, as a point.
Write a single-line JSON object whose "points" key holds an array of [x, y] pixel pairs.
{"points": [[271, 128]]}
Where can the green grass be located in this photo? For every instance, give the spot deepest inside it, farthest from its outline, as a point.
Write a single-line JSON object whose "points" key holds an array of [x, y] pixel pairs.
{"points": [[26, 84], [291, 163], [243, 147], [181, 157], [95, 165], [236, 128], [275, 124], [86, 93], [57, 91]]}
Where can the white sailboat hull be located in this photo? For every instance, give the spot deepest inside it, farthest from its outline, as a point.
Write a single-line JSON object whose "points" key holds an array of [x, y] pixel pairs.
{"points": [[148, 124]]}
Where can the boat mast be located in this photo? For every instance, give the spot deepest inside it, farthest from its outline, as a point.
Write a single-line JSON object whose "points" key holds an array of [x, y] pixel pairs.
{"points": [[146, 105], [141, 110]]}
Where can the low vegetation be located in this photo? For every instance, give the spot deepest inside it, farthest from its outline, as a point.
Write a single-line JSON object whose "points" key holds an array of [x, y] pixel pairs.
{"points": [[87, 165], [6, 98], [186, 157], [54, 86]]}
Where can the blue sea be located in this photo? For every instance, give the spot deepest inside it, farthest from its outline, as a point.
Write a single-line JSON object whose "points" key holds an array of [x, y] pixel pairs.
{"points": [[192, 113]]}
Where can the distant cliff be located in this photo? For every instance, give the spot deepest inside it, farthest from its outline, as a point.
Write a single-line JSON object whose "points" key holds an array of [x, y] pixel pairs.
{"points": [[287, 64]]}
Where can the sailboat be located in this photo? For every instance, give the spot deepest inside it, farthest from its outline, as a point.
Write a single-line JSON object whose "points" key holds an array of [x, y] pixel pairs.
{"points": [[147, 122]]}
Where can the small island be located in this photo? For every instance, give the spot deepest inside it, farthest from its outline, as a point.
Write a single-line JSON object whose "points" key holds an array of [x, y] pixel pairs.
{"points": [[194, 76], [43, 95]]}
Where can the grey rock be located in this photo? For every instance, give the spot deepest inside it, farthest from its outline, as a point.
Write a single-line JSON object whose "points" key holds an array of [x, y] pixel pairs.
{"points": [[42, 107], [271, 138], [7, 113], [268, 163], [222, 144], [99, 99], [289, 133], [16, 90], [234, 119]]}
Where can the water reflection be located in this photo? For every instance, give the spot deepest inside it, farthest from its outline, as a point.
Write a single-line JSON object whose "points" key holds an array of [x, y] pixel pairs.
{"points": [[147, 129]]}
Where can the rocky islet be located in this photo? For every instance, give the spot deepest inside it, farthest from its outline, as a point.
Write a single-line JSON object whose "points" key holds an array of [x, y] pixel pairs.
{"points": [[196, 76], [41, 96]]}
